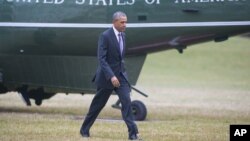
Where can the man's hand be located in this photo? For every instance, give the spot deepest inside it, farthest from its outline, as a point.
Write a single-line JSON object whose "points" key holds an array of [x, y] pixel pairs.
{"points": [[115, 82]]}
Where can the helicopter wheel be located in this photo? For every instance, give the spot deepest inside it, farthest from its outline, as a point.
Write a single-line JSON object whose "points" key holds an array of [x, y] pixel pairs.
{"points": [[139, 110]]}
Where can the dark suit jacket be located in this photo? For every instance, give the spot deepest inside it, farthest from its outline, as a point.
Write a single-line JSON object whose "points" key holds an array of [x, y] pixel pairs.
{"points": [[110, 59]]}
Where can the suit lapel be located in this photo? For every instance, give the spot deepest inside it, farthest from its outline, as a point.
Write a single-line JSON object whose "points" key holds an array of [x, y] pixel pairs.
{"points": [[115, 41]]}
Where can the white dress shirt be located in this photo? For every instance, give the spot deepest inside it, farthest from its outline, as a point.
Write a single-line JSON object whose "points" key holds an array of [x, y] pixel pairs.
{"points": [[116, 34]]}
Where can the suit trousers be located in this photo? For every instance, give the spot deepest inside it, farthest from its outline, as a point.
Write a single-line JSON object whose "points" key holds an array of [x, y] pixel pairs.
{"points": [[100, 100]]}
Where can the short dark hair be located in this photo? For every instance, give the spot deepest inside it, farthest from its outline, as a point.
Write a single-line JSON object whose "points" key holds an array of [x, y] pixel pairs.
{"points": [[117, 15]]}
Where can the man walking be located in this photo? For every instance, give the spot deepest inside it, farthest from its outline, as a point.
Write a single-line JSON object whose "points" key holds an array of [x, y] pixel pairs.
{"points": [[111, 76]]}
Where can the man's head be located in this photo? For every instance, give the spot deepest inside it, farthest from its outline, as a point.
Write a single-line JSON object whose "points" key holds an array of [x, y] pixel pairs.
{"points": [[120, 21]]}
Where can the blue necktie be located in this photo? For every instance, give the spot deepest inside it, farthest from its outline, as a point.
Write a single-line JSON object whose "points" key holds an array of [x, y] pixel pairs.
{"points": [[120, 42]]}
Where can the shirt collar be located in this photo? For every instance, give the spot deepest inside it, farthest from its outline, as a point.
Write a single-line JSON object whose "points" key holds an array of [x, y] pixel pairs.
{"points": [[116, 31]]}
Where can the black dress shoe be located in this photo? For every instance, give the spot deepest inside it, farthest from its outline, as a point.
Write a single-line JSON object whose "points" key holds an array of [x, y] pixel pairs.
{"points": [[84, 134], [133, 137]]}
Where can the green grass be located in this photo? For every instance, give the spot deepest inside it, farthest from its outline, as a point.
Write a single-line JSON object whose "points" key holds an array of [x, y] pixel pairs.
{"points": [[194, 96], [210, 64]]}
